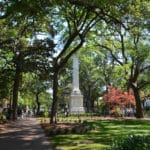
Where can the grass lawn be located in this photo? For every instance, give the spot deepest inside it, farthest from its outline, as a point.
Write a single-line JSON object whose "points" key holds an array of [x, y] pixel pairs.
{"points": [[101, 135]]}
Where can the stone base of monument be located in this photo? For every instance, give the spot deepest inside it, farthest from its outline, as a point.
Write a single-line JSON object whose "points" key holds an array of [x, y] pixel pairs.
{"points": [[76, 104]]}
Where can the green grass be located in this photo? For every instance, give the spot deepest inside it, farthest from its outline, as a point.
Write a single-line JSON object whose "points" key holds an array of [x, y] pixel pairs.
{"points": [[102, 134]]}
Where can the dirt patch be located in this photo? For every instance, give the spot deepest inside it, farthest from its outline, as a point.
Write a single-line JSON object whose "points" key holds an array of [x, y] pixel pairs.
{"points": [[3, 127]]}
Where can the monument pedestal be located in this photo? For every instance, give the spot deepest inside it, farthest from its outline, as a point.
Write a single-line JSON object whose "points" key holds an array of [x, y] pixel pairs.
{"points": [[76, 104]]}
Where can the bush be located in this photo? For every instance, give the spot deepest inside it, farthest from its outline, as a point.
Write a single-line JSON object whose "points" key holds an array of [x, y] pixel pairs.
{"points": [[116, 112], [147, 113], [40, 114], [132, 142], [83, 115], [2, 118]]}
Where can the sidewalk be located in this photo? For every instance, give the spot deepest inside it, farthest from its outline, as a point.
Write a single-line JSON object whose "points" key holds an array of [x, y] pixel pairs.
{"points": [[24, 135]]}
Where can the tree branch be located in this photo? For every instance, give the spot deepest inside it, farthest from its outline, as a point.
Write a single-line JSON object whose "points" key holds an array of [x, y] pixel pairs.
{"points": [[97, 5], [69, 41], [145, 68], [91, 23], [123, 48], [114, 57], [63, 62], [143, 84]]}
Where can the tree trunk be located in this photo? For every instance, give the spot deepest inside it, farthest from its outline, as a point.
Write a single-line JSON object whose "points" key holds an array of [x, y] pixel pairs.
{"points": [[89, 104], [139, 109], [15, 93], [10, 97], [53, 116], [38, 103]]}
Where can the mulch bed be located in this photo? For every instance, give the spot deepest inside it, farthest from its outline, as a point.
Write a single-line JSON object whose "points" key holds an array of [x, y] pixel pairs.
{"points": [[47, 126], [63, 128], [77, 128]]}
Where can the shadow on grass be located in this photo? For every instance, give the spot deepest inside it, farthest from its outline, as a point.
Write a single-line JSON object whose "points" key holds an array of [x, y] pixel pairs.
{"points": [[101, 134]]}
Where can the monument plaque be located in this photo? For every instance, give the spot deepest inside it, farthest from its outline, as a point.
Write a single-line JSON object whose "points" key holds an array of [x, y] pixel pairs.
{"points": [[76, 101]]}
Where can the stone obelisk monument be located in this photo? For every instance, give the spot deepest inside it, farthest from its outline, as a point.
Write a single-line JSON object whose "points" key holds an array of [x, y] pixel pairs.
{"points": [[76, 101]]}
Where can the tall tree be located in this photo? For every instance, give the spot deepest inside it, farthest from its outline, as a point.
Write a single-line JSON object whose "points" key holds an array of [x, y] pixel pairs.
{"points": [[91, 79], [18, 29], [76, 23], [36, 87], [130, 49], [79, 17]]}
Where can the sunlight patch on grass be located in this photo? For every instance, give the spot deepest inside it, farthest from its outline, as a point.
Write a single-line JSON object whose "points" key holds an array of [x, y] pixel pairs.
{"points": [[82, 146], [101, 134]]}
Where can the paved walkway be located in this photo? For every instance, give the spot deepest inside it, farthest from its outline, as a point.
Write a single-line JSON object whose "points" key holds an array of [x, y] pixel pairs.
{"points": [[24, 135]]}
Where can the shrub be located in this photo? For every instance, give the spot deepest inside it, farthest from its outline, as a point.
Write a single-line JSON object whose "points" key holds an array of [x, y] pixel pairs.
{"points": [[147, 113], [2, 118], [40, 114], [116, 112], [132, 142]]}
